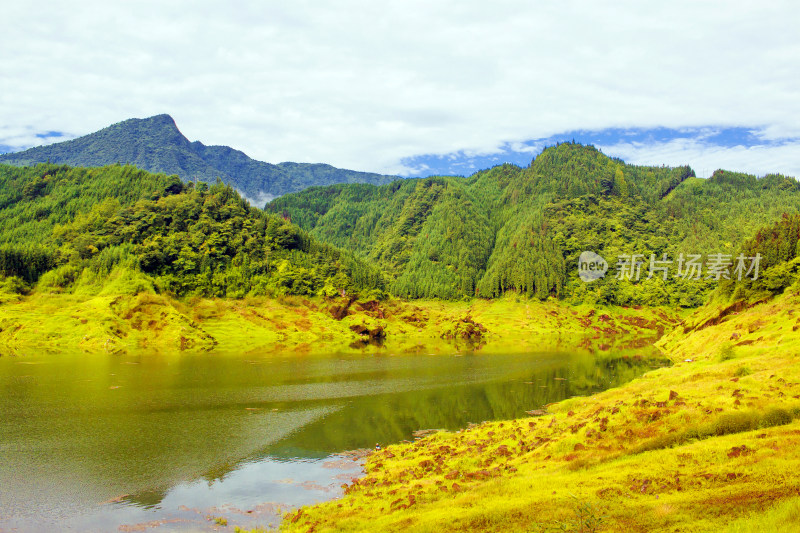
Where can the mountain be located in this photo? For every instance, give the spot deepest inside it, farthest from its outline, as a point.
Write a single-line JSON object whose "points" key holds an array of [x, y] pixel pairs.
{"points": [[117, 226], [522, 229], [505, 229], [155, 144]]}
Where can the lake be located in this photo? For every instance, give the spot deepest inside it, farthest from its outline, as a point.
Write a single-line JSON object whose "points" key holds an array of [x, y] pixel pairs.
{"points": [[170, 442]]}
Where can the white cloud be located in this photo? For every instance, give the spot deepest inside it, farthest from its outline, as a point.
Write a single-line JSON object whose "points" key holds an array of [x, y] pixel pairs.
{"points": [[23, 137], [260, 200], [363, 85], [520, 147], [705, 158]]}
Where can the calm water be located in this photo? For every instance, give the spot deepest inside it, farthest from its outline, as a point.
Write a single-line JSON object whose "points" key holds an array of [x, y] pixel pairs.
{"points": [[163, 442]]}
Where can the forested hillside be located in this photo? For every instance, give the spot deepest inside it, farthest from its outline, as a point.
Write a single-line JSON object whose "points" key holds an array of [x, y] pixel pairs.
{"points": [[522, 229], [779, 248], [88, 229], [502, 229], [155, 144]]}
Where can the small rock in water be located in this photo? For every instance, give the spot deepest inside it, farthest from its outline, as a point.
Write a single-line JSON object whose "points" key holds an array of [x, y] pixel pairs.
{"points": [[355, 455], [420, 433]]}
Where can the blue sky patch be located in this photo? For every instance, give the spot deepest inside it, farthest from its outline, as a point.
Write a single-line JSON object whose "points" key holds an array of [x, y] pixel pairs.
{"points": [[51, 135], [521, 153]]}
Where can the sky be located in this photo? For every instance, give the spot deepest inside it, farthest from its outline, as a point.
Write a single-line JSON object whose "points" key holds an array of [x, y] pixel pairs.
{"points": [[417, 87]]}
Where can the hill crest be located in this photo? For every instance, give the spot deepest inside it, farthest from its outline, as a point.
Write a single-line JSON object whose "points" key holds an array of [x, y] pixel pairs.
{"points": [[157, 145]]}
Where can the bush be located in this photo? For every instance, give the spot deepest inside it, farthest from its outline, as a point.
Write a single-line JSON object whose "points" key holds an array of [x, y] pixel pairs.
{"points": [[735, 423], [726, 424], [60, 278], [776, 417], [14, 285], [726, 353], [375, 294]]}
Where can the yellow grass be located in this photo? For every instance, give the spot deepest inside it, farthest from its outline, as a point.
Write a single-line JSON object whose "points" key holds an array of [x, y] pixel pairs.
{"points": [[709, 444], [706, 445], [126, 322]]}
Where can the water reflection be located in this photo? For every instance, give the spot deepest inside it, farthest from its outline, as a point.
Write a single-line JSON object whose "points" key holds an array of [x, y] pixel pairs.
{"points": [[97, 441]]}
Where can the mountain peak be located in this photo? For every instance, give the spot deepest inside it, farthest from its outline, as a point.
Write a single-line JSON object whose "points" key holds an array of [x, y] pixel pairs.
{"points": [[156, 144], [163, 117], [160, 121], [156, 122], [572, 150]]}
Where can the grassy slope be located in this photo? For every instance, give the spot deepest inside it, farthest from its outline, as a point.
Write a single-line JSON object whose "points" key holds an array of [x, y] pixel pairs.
{"points": [[671, 451], [111, 321]]}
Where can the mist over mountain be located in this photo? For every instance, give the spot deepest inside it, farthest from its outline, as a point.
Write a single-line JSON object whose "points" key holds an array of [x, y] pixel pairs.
{"points": [[156, 144]]}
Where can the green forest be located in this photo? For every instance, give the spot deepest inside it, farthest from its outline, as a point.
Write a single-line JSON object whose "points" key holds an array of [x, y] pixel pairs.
{"points": [[69, 228], [502, 229], [522, 229]]}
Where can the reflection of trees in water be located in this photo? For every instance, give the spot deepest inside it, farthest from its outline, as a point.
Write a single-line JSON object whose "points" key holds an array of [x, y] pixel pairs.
{"points": [[389, 418], [182, 419]]}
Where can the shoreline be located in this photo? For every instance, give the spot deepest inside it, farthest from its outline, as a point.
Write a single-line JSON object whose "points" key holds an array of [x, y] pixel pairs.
{"points": [[147, 321], [706, 445]]}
